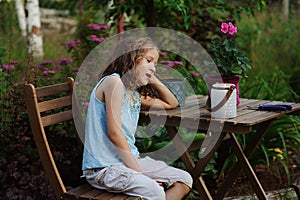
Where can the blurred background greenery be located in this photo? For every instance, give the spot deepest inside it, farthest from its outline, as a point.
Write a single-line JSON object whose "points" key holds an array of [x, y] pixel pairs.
{"points": [[266, 34]]}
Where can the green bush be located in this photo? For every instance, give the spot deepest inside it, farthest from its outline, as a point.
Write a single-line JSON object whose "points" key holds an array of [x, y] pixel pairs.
{"points": [[272, 44]]}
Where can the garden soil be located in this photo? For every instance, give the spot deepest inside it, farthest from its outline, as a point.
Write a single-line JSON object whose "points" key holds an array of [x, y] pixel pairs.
{"points": [[269, 181]]}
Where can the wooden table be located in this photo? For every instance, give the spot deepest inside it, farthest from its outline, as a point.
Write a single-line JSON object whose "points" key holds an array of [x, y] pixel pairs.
{"points": [[195, 116]]}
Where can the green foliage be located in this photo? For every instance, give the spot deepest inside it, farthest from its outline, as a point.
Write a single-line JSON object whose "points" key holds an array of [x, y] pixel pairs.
{"points": [[88, 35], [73, 6], [20, 167], [266, 84], [229, 59], [2, 54], [8, 17], [184, 70], [272, 44], [283, 136], [191, 17], [151, 138], [275, 150]]}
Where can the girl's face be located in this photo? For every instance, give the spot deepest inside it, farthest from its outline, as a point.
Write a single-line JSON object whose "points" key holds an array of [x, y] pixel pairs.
{"points": [[145, 67]]}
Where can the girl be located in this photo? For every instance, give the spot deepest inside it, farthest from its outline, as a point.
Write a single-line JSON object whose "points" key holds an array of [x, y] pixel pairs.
{"points": [[111, 160]]}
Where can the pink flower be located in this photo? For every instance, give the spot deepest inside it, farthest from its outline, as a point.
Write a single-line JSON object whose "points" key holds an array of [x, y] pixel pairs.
{"points": [[38, 66], [194, 73], [73, 44], [64, 60], [16, 84], [228, 28], [45, 73], [232, 29], [96, 39], [98, 26], [46, 62], [8, 67], [171, 63], [51, 71], [178, 63], [224, 27], [168, 62], [86, 104], [163, 53]]}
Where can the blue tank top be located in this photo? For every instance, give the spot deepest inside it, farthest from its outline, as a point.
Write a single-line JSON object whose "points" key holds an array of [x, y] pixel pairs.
{"points": [[99, 151]]}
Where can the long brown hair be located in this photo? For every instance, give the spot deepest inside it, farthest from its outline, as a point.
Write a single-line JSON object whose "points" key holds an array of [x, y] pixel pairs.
{"points": [[130, 50]]}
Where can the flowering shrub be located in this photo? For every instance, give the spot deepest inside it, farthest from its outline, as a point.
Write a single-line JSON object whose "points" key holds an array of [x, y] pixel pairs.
{"points": [[21, 175], [88, 37], [229, 59], [187, 71], [53, 71]]}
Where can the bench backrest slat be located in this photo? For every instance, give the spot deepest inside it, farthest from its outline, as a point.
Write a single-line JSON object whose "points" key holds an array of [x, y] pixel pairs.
{"points": [[57, 118], [52, 89], [55, 103]]}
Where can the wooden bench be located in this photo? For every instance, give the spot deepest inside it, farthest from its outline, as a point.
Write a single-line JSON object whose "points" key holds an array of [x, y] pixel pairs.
{"points": [[40, 104]]}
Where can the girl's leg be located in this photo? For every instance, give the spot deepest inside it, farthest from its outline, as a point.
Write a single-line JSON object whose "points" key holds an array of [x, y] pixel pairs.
{"points": [[177, 191], [178, 182], [120, 179]]}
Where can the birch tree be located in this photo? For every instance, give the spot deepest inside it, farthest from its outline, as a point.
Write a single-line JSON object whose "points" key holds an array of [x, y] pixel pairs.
{"points": [[21, 16], [35, 39], [285, 8]]}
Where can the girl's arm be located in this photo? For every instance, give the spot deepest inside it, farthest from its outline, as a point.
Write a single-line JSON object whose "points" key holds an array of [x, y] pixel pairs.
{"points": [[166, 99], [111, 91]]}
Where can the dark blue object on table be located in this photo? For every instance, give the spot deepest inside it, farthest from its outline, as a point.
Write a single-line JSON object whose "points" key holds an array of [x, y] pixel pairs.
{"points": [[271, 107]]}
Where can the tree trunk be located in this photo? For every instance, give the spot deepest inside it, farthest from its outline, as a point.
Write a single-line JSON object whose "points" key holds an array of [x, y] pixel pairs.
{"points": [[285, 9], [21, 16], [121, 20], [80, 7], [35, 39], [149, 13]]}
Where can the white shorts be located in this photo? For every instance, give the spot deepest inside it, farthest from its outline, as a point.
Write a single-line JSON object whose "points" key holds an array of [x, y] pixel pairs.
{"points": [[123, 179]]}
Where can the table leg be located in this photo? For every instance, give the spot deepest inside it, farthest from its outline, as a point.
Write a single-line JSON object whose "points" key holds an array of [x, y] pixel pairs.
{"points": [[189, 164], [214, 142], [234, 172], [237, 149]]}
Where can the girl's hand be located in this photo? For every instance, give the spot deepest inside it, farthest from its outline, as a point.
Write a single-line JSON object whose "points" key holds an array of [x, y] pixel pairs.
{"points": [[166, 99], [154, 80]]}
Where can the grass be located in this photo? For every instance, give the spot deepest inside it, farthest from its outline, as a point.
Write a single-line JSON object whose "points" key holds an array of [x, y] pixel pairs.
{"points": [[53, 46]]}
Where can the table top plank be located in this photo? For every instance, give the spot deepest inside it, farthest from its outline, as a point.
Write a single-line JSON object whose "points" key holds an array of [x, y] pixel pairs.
{"points": [[246, 116], [252, 102]]}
